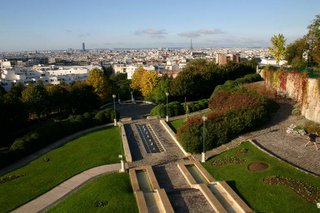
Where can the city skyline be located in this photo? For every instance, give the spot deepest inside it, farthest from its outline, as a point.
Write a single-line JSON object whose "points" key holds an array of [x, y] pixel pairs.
{"points": [[52, 25]]}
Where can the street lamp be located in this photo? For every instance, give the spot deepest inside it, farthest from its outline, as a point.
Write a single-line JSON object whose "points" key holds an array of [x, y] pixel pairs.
{"points": [[203, 154], [132, 98], [114, 110], [167, 109], [122, 169]]}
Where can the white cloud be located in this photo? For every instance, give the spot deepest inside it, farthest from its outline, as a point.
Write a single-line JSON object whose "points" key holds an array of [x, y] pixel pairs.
{"points": [[151, 32], [198, 33]]}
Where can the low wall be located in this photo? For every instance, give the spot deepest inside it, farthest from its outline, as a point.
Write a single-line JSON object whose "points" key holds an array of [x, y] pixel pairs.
{"points": [[173, 136], [225, 190], [125, 143], [297, 86], [164, 204]]}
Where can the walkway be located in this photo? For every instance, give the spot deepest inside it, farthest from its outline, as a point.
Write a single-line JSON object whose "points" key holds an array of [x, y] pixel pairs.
{"points": [[54, 195]]}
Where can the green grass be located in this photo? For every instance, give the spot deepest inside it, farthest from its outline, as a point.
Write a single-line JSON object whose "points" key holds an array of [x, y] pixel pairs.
{"points": [[249, 185], [113, 191], [176, 124], [90, 150]]}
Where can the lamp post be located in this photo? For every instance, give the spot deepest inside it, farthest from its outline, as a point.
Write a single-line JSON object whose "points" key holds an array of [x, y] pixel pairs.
{"points": [[122, 169], [132, 98], [167, 109], [114, 110], [203, 154]]}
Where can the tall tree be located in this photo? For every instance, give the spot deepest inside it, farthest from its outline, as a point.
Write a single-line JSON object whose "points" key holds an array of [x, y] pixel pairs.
{"points": [[36, 99], [121, 85], [58, 97], [159, 92], [137, 78], [313, 40], [82, 97], [295, 53], [148, 82], [100, 83], [278, 49]]}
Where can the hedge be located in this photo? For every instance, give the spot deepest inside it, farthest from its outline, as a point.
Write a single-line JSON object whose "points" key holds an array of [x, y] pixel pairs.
{"points": [[196, 105], [176, 108], [233, 112], [234, 85]]}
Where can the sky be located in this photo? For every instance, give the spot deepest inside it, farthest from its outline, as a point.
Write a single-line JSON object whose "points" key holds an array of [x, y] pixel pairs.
{"points": [[63, 24]]}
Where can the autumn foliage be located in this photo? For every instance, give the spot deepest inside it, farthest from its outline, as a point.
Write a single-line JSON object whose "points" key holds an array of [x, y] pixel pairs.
{"points": [[233, 111]]}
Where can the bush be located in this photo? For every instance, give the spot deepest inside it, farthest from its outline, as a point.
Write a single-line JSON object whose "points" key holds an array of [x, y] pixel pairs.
{"points": [[220, 129], [233, 112], [196, 105], [234, 85], [174, 108]]}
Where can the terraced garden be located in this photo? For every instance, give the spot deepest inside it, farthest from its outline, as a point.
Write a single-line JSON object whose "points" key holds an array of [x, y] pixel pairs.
{"points": [[37, 177], [268, 185]]}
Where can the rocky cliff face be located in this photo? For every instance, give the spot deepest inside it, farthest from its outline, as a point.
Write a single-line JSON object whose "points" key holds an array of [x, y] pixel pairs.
{"points": [[297, 85]]}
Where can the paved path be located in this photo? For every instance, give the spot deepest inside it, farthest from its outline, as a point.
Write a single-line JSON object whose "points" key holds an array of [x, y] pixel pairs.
{"points": [[54, 195], [274, 139]]}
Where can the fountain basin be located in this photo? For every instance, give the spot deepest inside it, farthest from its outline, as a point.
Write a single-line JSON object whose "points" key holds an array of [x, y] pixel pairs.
{"points": [[149, 196]]}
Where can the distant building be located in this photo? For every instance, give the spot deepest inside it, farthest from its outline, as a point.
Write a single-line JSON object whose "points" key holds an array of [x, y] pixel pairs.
{"points": [[273, 62], [130, 69], [198, 54], [83, 46], [47, 74], [222, 58]]}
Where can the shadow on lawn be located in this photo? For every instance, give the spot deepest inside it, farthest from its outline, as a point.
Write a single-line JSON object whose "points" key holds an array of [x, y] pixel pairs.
{"points": [[233, 185]]}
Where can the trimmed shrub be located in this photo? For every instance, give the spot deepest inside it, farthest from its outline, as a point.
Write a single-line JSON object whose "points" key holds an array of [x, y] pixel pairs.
{"points": [[196, 105], [174, 108], [220, 128], [234, 85], [232, 112]]}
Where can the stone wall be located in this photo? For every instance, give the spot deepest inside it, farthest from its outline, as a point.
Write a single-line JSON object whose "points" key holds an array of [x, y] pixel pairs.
{"points": [[297, 86]]}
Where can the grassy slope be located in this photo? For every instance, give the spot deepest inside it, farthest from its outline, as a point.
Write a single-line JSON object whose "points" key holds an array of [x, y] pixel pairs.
{"points": [[176, 124], [93, 149], [113, 189], [262, 197]]}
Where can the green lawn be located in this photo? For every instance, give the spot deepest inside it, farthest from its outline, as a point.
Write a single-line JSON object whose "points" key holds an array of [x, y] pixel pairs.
{"points": [[176, 124], [250, 186], [109, 193], [93, 149]]}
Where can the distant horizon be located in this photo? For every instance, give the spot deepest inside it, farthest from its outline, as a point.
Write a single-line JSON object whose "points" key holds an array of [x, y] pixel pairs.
{"points": [[130, 48], [59, 24]]}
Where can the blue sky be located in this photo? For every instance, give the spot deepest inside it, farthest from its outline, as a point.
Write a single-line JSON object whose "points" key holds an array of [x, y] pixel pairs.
{"points": [[62, 24]]}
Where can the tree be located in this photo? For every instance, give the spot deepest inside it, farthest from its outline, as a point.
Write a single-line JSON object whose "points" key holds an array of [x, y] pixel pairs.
{"points": [[159, 93], [36, 99], [100, 83], [58, 98], [82, 97], [107, 70], [278, 49], [295, 53], [137, 78], [313, 40], [148, 82], [121, 85]]}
